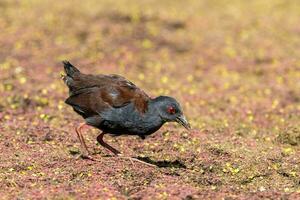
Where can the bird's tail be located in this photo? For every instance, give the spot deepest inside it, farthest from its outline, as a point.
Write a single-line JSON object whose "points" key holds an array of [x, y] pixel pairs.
{"points": [[70, 69]]}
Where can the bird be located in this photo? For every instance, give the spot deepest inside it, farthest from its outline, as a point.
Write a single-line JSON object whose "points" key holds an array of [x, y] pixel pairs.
{"points": [[116, 106]]}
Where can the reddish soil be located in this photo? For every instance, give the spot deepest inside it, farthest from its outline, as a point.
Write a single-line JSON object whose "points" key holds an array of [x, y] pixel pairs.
{"points": [[235, 68]]}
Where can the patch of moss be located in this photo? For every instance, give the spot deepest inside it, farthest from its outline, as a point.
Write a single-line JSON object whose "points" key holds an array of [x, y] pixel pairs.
{"points": [[290, 136]]}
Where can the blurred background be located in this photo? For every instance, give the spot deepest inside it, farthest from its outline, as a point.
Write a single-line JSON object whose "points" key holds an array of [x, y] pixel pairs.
{"points": [[234, 66]]}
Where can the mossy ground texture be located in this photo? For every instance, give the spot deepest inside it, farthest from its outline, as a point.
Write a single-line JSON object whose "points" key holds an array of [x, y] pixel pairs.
{"points": [[233, 65]]}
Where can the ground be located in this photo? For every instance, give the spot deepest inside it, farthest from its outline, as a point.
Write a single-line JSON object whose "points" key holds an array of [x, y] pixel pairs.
{"points": [[233, 65]]}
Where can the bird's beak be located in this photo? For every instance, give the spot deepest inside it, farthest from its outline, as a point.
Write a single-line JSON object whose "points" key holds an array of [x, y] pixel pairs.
{"points": [[182, 120]]}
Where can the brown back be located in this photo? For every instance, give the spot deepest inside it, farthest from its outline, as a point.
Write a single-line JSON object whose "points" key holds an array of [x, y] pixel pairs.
{"points": [[91, 94]]}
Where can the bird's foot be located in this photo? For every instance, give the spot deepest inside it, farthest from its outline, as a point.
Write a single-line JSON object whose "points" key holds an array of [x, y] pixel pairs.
{"points": [[86, 156], [134, 159]]}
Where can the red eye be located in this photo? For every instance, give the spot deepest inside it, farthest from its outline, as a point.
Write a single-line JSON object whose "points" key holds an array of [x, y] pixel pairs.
{"points": [[171, 110]]}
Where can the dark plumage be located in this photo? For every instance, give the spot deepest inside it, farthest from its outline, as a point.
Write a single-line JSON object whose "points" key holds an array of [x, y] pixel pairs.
{"points": [[117, 106]]}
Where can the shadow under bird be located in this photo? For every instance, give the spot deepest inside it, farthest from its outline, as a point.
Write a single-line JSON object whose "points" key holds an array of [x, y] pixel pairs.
{"points": [[116, 106]]}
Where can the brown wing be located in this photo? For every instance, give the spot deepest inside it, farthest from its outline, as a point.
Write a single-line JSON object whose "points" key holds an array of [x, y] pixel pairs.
{"points": [[91, 94]]}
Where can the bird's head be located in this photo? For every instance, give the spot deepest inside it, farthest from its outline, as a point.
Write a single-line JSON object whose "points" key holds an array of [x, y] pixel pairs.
{"points": [[170, 111]]}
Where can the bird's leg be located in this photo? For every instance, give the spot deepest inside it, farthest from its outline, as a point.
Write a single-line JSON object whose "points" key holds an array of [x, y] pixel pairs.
{"points": [[80, 133], [107, 146], [117, 153], [82, 142]]}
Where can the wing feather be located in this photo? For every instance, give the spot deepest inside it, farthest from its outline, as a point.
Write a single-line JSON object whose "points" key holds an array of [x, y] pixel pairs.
{"points": [[90, 94]]}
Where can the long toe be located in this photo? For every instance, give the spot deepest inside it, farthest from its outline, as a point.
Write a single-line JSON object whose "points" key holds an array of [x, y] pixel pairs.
{"points": [[135, 159], [87, 157]]}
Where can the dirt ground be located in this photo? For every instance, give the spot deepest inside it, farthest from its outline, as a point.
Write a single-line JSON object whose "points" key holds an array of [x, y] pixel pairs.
{"points": [[233, 65]]}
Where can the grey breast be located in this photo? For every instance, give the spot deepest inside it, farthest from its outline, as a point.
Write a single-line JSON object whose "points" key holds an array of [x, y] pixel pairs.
{"points": [[131, 121]]}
